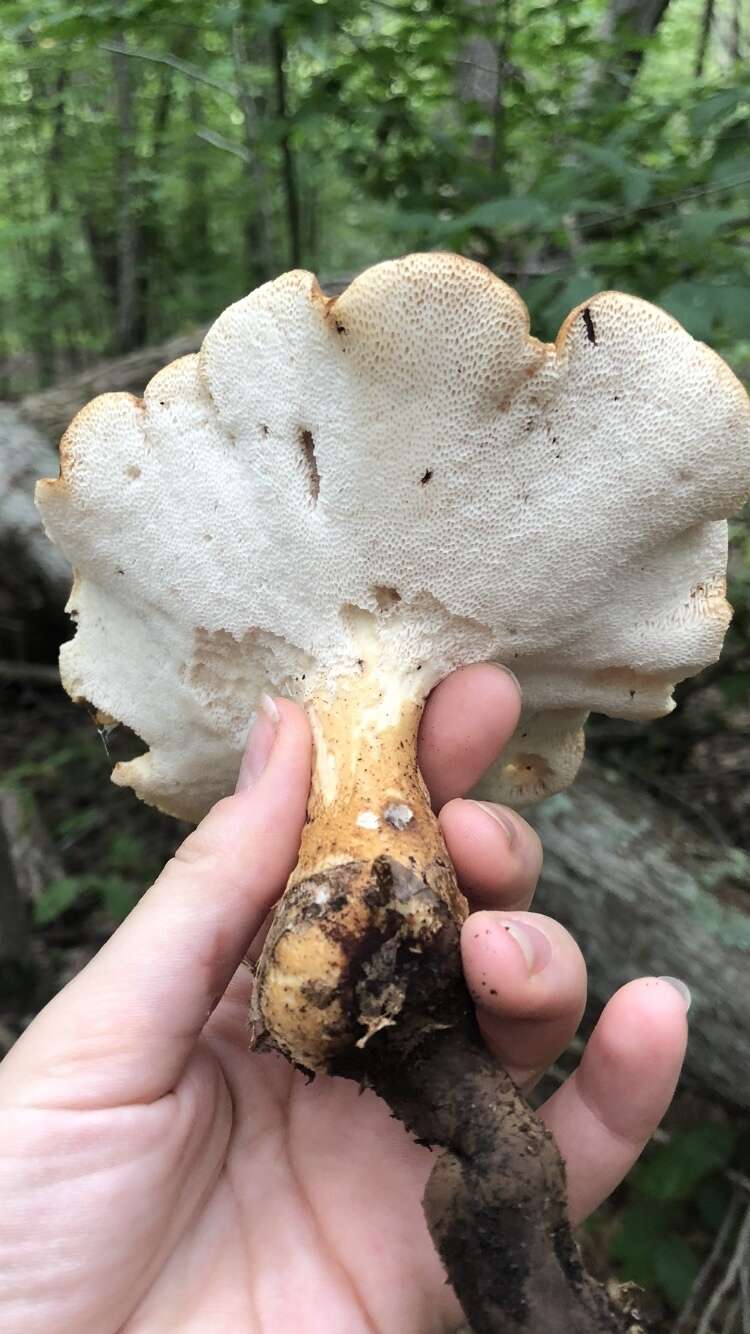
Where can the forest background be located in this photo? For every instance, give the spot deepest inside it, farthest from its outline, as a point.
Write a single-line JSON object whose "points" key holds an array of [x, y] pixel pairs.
{"points": [[157, 161]]}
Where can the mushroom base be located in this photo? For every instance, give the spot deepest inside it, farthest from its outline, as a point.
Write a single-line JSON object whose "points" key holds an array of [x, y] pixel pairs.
{"points": [[391, 1010], [357, 949], [495, 1202]]}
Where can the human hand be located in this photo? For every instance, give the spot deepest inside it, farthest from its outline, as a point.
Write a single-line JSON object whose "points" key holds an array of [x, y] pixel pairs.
{"points": [[158, 1178]]}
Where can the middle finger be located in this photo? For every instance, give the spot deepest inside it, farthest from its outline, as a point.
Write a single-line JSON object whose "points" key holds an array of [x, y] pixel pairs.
{"points": [[497, 855]]}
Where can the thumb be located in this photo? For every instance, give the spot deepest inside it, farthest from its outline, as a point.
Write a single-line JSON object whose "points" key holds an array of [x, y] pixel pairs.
{"points": [[123, 1029]]}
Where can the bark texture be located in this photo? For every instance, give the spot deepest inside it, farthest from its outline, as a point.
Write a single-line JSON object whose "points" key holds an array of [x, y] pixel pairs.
{"points": [[52, 410], [28, 864], [35, 579], [645, 894], [25, 456]]}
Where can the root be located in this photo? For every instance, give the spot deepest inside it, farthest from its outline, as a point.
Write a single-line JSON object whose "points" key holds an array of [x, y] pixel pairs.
{"points": [[361, 976], [496, 1203]]}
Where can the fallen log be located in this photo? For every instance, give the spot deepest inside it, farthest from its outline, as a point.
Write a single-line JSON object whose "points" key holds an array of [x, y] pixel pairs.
{"points": [[26, 455], [35, 579], [644, 894], [51, 410], [29, 864]]}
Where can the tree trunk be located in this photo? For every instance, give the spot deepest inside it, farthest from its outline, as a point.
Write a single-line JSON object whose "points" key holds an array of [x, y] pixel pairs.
{"points": [[258, 250], [149, 240], [52, 410], [126, 320], [289, 170], [48, 107], [35, 577], [16, 958], [479, 77], [707, 19], [645, 895], [613, 76], [728, 30], [29, 864], [195, 228]]}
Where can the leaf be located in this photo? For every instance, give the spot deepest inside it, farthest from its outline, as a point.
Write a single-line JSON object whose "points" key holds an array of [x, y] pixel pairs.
{"points": [[641, 1226], [694, 305], [703, 225], [675, 1268], [124, 853], [58, 897], [731, 169], [508, 211], [635, 181], [674, 1170], [118, 896], [714, 108], [576, 290], [733, 305], [712, 1199], [736, 687]]}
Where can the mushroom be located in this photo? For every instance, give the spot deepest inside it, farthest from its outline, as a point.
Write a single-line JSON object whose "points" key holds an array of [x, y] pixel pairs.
{"points": [[343, 500]]}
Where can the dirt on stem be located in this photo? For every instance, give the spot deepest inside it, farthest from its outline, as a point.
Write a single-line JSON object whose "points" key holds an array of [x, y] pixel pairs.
{"points": [[496, 1202]]}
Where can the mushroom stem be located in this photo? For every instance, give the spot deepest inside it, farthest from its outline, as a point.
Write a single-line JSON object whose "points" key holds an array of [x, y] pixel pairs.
{"points": [[373, 900], [361, 976], [495, 1202]]}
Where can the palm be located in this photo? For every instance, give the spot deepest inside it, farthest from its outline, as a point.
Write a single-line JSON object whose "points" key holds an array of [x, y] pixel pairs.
{"points": [[251, 1199]]}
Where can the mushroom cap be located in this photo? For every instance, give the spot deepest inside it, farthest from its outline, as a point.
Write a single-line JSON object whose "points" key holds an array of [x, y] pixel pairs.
{"points": [[401, 475]]}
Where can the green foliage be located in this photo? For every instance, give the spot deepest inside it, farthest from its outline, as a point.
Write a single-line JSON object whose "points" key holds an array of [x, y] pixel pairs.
{"points": [[58, 896], [676, 1195], [111, 847], [589, 162], [674, 1171]]}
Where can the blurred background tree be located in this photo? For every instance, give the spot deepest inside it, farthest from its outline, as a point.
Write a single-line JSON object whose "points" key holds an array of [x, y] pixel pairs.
{"points": [[158, 160]]}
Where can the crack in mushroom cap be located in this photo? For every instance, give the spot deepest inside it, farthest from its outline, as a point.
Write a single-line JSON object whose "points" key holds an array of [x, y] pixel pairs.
{"points": [[404, 463]]}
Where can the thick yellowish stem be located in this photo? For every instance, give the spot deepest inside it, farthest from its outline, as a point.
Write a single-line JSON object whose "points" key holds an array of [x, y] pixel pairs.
{"points": [[373, 893], [361, 976]]}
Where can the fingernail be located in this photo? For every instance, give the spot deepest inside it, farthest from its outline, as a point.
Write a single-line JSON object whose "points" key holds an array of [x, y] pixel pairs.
{"points": [[502, 668], [500, 817], [533, 944], [259, 743], [680, 986]]}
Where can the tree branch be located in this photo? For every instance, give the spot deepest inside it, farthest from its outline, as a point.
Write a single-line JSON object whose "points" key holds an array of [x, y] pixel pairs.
{"points": [[226, 145], [166, 58]]}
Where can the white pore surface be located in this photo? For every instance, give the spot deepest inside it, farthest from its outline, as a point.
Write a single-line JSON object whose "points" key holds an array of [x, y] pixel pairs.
{"points": [[410, 453]]}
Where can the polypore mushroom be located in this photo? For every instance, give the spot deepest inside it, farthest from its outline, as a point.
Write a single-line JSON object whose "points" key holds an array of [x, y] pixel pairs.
{"points": [[343, 500]]}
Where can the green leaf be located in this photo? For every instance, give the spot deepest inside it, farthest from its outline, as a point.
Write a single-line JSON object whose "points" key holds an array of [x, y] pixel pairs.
{"points": [[733, 305], [703, 225], [694, 304], [673, 1171], [124, 853], [642, 1224], [712, 1199], [635, 181], [508, 211], [675, 1268], [736, 687], [714, 108], [118, 896], [576, 290], [58, 897]]}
